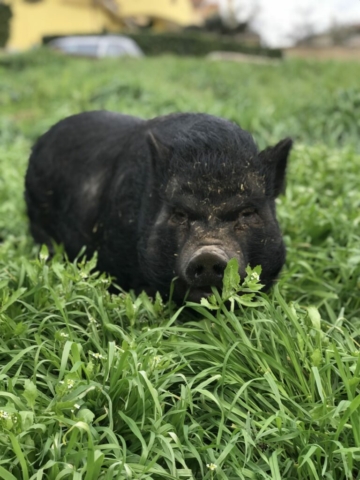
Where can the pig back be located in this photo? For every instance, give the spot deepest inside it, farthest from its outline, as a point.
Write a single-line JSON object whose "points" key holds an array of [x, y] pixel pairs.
{"points": [[84, 182]]}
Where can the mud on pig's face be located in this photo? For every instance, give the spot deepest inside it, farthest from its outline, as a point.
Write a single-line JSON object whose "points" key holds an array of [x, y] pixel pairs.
{"points": [[212, 207]]}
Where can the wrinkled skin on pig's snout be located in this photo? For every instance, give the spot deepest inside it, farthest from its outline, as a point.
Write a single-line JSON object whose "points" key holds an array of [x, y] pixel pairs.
{"points": [[214, 206], [172, 197]]}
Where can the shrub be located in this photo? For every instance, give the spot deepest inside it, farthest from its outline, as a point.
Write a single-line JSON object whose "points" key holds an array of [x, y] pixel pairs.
{"points": [[5, 17]]}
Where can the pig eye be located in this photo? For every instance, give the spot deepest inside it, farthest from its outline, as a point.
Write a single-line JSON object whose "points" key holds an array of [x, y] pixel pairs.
{"points": [[237, 215], [248, 212], [248, 215], [179, 217]]}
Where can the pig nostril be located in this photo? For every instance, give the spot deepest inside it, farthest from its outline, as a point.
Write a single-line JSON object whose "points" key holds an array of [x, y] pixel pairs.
{"points": [[218, 270], [198, 271]]}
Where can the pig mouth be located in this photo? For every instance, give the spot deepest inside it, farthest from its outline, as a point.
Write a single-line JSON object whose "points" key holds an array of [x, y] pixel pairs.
{"points": [[197, 293], [192, 292]]}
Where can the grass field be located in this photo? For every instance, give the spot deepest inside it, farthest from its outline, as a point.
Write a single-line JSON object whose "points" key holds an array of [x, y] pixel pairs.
{"points": [[98, 386]]}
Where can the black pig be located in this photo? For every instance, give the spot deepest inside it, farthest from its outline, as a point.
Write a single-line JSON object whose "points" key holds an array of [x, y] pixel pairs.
{"points": [[175, 196]]}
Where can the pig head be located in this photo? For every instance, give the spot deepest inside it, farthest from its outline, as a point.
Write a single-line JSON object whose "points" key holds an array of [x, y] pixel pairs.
{"points": [[211, 197]]}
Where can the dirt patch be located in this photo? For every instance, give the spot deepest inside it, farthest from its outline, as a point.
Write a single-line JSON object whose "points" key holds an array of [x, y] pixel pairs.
{"points": [[323, 53]]}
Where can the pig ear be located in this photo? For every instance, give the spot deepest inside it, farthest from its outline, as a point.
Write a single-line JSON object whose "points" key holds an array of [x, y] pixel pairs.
{"points": [[159, 151], [275, 162]]}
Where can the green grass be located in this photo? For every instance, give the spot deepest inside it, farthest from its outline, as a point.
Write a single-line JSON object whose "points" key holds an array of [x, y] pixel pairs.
{"points": [[98, 386]]}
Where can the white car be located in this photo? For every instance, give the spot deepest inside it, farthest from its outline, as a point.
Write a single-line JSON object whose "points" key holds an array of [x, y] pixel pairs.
{"points": [[97, 46]]}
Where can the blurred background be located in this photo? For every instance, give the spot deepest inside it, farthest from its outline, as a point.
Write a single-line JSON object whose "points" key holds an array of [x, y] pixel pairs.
{"points": [[326, 28]]}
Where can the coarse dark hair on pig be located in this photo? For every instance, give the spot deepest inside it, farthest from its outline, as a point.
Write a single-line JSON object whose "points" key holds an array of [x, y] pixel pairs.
{"points": [[177, 196]]}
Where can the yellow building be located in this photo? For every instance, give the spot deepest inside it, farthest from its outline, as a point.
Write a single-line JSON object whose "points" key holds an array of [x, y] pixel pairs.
{"points": [[34, 19]]}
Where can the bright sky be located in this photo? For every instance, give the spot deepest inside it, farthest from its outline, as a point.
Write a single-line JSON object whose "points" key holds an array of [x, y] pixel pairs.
{"points": [[278, 20]]}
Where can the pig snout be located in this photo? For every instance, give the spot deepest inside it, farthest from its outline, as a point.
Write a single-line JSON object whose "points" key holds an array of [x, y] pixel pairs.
{"points": [[206, 267]]}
